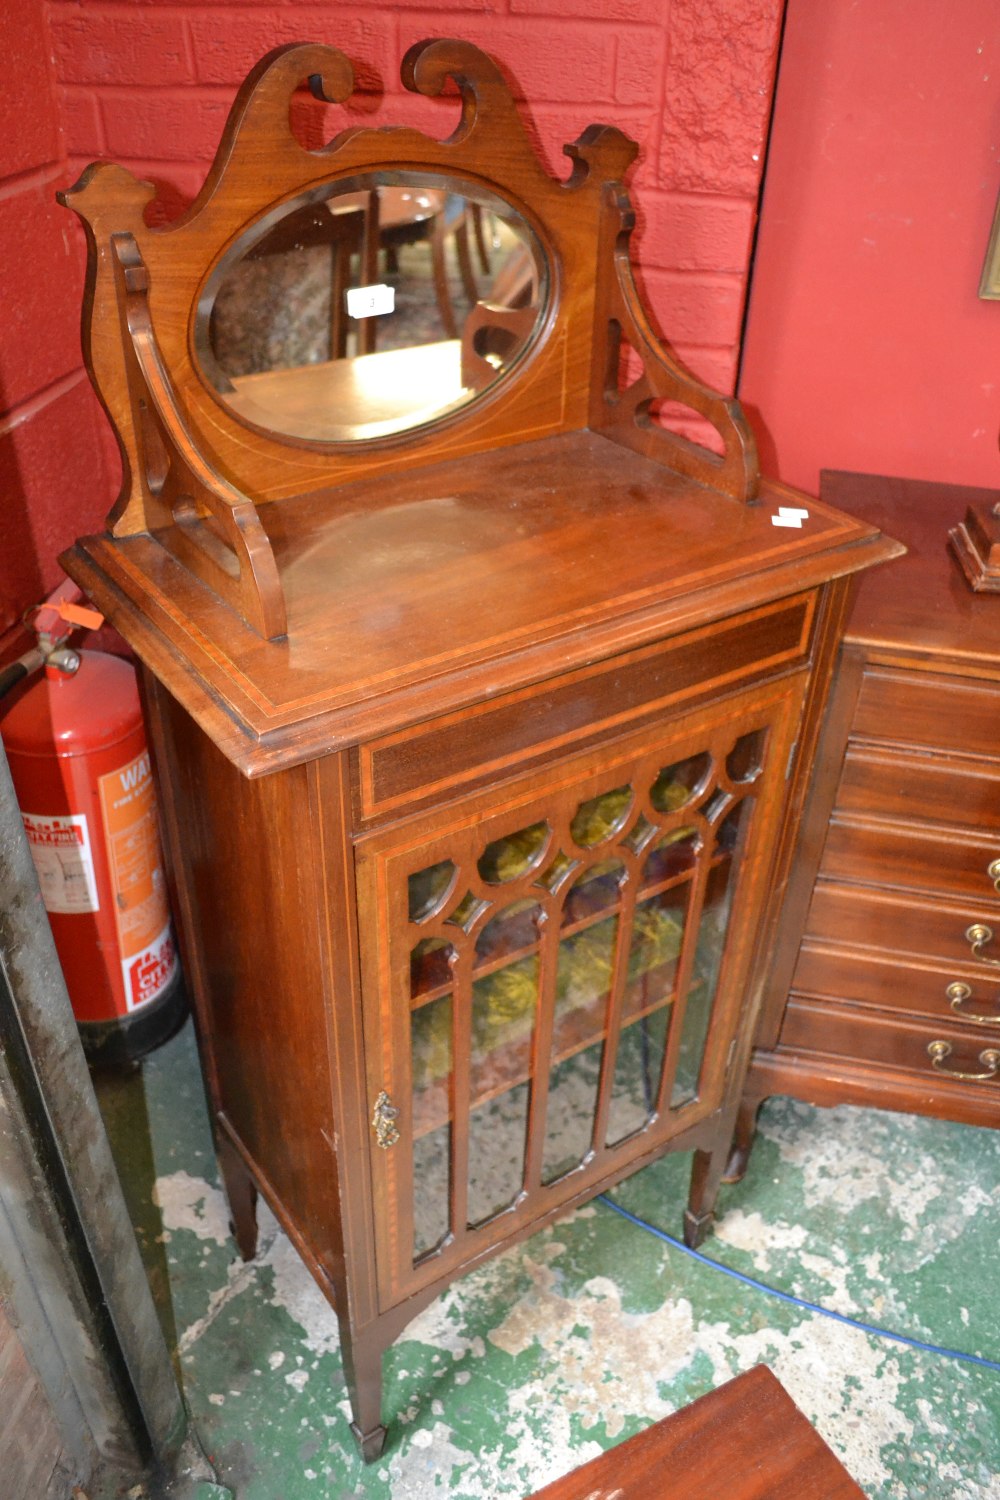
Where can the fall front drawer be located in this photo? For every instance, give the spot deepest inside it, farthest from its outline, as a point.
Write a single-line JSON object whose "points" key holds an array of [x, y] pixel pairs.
{"points": [[894, 922], [507, 734], [913, 784], [958, 1052], [942, 992], [928, 708], [954, 862]]}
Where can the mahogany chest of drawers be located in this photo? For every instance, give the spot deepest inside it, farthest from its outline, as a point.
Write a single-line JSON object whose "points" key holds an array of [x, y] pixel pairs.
{"points": [[892, 997]]}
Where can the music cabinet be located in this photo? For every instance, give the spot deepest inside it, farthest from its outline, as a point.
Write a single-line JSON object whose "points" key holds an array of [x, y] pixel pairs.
{"points": [[482, 702]]}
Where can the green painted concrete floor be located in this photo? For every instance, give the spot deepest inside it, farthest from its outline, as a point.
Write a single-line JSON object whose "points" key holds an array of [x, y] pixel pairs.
{"points": [[570, 1343]]}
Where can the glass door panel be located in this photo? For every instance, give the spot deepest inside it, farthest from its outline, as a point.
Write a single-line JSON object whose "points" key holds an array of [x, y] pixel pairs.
{"points": [[672, 855], [638, 1068], [565, 966], [510, 857], [504, 1010], [677, 784], [594, 893], [431, 1065], [428, 889], [497, 1137], [713, 924], [599, 817], [745, 760], [584, 970], [657, 937]]}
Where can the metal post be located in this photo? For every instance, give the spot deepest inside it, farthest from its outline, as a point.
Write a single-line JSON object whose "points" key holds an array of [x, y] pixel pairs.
{"points": [[68, 1254]]}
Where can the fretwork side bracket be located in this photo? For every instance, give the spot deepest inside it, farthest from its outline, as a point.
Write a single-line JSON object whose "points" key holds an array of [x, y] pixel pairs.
{"points": [[190, 509], [627, 414]]}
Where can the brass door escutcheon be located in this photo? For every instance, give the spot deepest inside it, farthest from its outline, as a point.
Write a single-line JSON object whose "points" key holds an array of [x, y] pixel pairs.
{"points": [[384, 1118], [989, 1057], [957, 993]]}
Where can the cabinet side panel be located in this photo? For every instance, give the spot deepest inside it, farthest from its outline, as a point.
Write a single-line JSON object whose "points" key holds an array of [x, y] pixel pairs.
{"points": [[822, 740], [246, 865]]}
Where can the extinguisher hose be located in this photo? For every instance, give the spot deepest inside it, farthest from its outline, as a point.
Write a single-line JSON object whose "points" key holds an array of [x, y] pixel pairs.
{"points": [[18, 670]]}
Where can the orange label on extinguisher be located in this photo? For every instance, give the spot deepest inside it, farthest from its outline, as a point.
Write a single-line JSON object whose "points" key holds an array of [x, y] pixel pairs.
{"points": [[142, 917]]}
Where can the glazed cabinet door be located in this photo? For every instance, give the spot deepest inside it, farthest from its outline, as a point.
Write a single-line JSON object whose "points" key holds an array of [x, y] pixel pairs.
{"points": [[553, 978]]}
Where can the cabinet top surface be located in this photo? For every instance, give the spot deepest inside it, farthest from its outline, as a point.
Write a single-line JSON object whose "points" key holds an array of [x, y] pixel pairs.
{"points": [[922, 605], [512, 565]]}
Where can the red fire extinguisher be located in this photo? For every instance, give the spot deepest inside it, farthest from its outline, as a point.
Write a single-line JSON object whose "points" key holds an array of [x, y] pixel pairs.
{"points": [[80, 766]]}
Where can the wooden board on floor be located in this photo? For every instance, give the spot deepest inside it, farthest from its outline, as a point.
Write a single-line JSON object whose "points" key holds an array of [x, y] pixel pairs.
{"points": [[745, 1441]]}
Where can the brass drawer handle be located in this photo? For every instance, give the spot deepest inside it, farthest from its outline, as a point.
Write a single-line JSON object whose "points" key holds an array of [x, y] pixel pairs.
{"points": [[993, 871], [957, 993], [384, 1119], [989, 1057], [978, 935]]}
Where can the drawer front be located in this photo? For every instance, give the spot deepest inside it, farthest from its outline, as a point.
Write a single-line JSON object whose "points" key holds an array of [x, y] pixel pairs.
{"points": [[921, 708], [912, 858], [884, 783], [927, 929], [945, 993], [843, 1031], [458, 751]]}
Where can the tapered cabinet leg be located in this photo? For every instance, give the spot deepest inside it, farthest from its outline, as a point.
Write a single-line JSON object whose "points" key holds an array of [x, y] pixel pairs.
{"points": [[241, 1194], [362, 1355], [743, 1139], [706, 1176]]}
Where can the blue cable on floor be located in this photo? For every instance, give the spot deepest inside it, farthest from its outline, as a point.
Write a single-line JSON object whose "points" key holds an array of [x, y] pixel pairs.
{"points": [[760, 1286]]}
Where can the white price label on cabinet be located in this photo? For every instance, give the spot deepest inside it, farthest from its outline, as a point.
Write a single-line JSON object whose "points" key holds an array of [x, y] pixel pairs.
{"points": [[370, 301], [789, 515]]}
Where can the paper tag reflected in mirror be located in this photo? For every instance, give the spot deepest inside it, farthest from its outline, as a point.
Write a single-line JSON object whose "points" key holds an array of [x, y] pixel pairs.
{"points": [[370, 301]]}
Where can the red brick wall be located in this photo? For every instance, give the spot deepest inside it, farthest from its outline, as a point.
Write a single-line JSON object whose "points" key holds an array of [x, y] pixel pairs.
{"points": [[149, 84], [52, 480]]}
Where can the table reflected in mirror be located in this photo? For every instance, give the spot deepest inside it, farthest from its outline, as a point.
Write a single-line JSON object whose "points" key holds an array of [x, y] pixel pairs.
{"points": [[370, 309]]}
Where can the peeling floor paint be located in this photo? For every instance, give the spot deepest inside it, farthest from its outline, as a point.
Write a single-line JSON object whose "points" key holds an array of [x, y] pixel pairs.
{"points": [[187, 1202], [583, 1335]]}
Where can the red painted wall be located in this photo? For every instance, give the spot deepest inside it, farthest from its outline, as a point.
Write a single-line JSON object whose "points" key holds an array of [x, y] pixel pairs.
{"points": [[149, 84], [52, 478], [867, 347]]}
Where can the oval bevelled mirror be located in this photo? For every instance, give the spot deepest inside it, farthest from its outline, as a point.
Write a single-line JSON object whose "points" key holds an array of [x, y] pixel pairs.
{"points": [[370, 308]]}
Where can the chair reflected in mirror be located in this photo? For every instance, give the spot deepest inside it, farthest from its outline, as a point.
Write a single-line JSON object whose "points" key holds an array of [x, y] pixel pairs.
{"points": [[287, 355], [498, 327]]}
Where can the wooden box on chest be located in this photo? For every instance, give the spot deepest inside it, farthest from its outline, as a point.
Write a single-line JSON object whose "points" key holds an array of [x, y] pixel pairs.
{"points": [[892, 996], [482, 704]]}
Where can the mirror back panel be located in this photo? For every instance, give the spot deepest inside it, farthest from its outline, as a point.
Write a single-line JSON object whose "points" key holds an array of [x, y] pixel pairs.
{"points": [[484, 183], [371, 308]]}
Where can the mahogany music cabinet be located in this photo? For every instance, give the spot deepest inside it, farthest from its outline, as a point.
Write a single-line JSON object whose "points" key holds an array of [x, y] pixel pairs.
{"points": [[890, 998], [482, 703]]}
